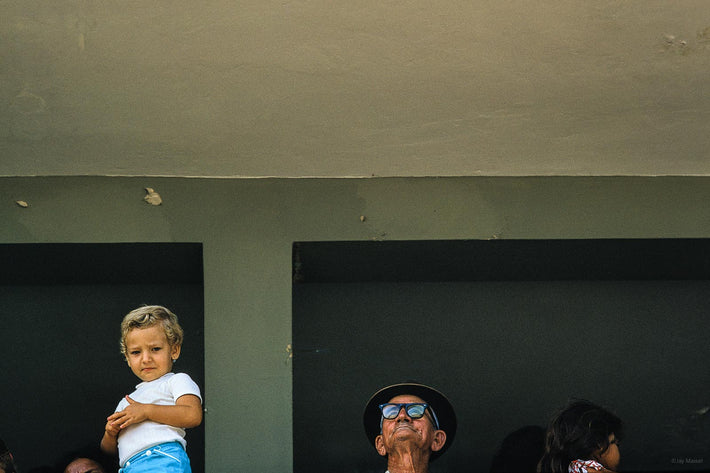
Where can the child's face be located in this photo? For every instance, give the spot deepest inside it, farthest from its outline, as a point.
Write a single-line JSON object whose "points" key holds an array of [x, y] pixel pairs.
{"points": [[610, 458], [148, 352]]}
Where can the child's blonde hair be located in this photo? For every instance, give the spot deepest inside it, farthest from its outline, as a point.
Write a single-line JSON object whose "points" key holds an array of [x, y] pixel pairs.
{"points": [[147, 316]]}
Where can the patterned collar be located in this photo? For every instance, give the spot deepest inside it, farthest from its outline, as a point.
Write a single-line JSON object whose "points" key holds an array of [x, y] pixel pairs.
{"points": [[583, 466]]}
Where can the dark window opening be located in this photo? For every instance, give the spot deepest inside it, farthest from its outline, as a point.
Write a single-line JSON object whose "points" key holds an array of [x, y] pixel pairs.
{"points": [[61, 310], [509, 330]]}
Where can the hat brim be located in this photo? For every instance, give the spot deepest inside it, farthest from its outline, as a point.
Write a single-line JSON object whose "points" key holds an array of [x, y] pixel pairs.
{"points": [[438, 402]]}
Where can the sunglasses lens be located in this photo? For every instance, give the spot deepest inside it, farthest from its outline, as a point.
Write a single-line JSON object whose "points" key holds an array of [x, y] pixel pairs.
{"points": [[390, 411], [415, 411]]}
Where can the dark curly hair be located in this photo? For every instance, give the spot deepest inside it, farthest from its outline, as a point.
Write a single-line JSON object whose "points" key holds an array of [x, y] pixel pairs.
{"points": [[6, 461], [580, 431]]}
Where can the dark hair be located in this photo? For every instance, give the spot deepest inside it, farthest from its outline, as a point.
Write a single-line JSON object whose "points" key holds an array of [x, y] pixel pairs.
{"points": [[91, 452], [580, 431], [520, 451], [6, 461]]}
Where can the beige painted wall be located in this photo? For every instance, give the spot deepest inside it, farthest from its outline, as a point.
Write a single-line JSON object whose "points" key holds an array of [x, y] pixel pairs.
{"points": [[303, 88]]}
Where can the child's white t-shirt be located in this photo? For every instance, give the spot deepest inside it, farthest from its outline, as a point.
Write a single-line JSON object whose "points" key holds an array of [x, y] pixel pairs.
{"points": [[163, 391]]}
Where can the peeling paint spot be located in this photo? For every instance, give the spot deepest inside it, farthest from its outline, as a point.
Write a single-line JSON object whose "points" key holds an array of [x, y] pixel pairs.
{"points": [[289, 353], [152, 197], [676, 44], [362, 218], [28, 103], [30, 118], [22, 203]]}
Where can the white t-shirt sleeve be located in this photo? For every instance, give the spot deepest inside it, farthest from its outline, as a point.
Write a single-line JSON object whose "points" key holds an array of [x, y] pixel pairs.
{"points": [[182, 384]]}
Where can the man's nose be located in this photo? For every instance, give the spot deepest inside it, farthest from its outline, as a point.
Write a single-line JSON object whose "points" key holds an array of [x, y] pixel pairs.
{"points": [[145, 356], [402, 415]]}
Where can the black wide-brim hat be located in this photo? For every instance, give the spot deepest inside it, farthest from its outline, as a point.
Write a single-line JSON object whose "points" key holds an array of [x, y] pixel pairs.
{"points": [[437, 401]]}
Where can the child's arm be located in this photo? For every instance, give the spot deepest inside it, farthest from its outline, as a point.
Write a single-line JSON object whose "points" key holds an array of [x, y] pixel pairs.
{"points": [[186, 413], [109, 442]]}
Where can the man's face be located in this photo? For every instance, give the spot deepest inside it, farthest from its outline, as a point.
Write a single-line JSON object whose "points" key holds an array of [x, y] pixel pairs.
{"points": [[416, 433]]}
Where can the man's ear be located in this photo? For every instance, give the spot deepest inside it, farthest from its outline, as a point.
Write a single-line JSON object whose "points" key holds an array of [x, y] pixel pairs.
{"points": [[439, 440], [380, 445]]}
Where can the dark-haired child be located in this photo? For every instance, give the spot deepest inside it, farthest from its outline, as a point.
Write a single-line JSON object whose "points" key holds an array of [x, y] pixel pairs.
{"points": [[582, 438]]}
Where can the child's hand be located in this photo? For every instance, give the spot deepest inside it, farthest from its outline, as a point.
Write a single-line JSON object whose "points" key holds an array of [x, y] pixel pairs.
{"points": [[109, 442], [134, 413], [112, 429]]}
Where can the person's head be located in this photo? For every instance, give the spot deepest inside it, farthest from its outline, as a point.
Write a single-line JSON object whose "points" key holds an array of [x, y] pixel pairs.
{"points": [[86, 459], [84, 465], [520, 451], [412, 414], [7, 463], [151, 339], [582, 431]]}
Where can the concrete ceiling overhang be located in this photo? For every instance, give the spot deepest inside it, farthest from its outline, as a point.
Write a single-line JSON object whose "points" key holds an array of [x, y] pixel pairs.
{"points": [[360, 88]]}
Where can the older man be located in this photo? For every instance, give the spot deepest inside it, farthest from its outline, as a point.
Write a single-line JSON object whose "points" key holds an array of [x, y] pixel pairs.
{"points": [[411, 424]]}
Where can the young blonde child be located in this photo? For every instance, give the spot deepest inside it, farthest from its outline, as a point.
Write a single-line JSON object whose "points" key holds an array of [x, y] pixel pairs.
{"points": [[147, 429]]}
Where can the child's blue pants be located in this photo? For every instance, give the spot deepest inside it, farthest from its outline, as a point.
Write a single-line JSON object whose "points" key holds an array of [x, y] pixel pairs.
{"points": [[166, 457]]}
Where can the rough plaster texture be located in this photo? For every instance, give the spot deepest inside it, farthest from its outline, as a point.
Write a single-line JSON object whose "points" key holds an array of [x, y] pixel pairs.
{"points": [[263, 88]]}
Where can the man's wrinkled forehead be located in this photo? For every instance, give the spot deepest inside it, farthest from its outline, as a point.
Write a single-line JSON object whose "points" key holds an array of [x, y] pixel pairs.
{"points": [[402, 398]]}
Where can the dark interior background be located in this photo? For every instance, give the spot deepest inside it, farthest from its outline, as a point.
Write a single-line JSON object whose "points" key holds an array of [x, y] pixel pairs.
{"points": [[62, 305], [509, 330]]}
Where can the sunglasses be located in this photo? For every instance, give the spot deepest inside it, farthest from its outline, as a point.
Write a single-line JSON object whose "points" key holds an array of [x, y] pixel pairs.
{"points": [[415, 410]]}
